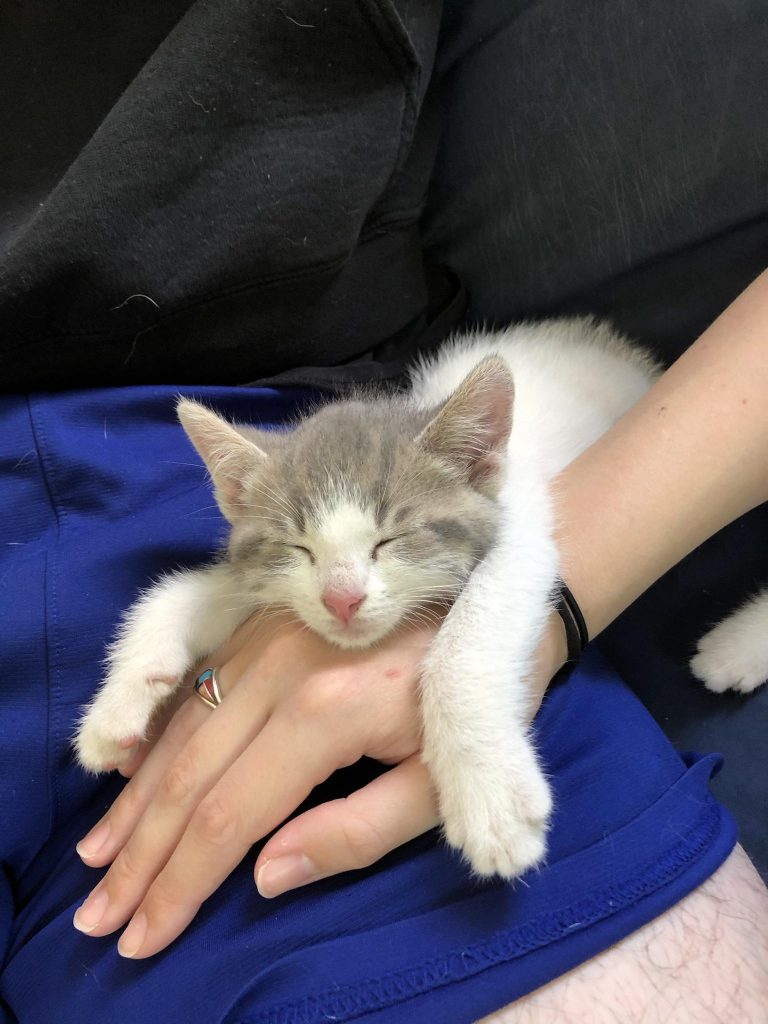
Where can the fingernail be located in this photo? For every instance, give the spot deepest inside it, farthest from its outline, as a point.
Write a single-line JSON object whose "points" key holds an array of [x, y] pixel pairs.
{"points": [[93, 842], [88, 916], [280, 874], [133, 936]]}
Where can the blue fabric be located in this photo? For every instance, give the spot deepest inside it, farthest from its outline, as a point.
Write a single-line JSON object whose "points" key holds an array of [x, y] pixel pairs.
{"points": [[100, 491]]}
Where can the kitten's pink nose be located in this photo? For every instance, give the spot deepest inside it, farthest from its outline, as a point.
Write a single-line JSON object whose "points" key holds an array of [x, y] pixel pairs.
{"points": [[343, 603]]}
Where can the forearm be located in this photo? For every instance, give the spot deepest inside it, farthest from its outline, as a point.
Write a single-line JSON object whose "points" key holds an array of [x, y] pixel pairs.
{"points": [[688, 459]]}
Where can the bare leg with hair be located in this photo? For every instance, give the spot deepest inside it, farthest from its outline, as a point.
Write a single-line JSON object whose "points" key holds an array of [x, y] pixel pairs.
{"points": [[704, 961]]}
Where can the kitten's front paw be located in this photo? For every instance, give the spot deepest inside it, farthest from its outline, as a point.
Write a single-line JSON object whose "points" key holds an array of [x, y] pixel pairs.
{"points": [[117, 719], [500, 824], [728, 659], [98, 751]]}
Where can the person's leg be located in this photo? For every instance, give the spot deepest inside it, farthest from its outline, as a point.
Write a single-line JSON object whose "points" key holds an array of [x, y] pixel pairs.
{"points": [[702, 962], [603, 158]]}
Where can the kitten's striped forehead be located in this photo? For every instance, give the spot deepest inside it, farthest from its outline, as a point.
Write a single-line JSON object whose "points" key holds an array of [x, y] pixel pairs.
{"points": [[354, 469]]}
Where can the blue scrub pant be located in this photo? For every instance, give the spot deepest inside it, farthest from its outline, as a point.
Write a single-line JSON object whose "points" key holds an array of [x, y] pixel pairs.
{"points": [[99, 492]]}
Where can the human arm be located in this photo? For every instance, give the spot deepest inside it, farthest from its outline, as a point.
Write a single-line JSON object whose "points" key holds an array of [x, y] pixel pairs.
{"points": [[689, 458]]}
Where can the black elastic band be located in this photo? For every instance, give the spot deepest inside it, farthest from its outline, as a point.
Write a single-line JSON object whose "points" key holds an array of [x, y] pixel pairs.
{"points": [[576, 634]]}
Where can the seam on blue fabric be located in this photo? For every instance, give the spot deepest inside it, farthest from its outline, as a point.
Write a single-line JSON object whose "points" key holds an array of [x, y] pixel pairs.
{"points": [[53, 660], [54, 794], [343, 1004], [50, 621], [39, 438]]}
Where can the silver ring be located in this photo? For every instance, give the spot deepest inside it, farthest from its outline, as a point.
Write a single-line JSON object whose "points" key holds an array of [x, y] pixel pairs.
{"points": [[207, 688]]}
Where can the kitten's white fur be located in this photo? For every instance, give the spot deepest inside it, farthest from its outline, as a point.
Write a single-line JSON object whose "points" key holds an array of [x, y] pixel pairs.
{"points": [[573, 379], [734, 654]]}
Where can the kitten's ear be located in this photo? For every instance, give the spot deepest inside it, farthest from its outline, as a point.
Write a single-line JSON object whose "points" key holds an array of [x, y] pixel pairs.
{"points": [[231, 457], [474, 425]]}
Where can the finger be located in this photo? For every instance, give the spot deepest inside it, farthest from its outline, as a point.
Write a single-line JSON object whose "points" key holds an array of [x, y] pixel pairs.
{"points": [[157, 727], [352, 833], [207, 755], [112, 831], [140, 755], [268, 781]]}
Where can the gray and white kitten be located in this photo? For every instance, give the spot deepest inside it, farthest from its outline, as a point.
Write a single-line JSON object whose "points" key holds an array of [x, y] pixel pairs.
{"points": [[373, 507]]}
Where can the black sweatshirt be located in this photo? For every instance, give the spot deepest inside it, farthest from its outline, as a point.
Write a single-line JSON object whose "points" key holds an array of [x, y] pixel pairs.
{"points": [[210, 192]]}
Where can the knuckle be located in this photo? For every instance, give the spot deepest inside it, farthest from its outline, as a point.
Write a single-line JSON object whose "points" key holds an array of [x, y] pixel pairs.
{"points": [[363, 838], [161, 896], [216, 821], [127, 870], [325, 695], [130, 803], [179, 782]]}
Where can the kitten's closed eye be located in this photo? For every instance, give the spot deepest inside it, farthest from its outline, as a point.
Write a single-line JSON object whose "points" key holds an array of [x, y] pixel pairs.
{"points": [[382, 544], [374, 551], [299, 547]]}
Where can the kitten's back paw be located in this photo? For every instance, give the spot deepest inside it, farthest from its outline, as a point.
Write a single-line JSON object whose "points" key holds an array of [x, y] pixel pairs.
{"points": [[727, 659]]}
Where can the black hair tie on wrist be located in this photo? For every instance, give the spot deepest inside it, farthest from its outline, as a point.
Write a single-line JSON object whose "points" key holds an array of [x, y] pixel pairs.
{"points": [[576, 634]]}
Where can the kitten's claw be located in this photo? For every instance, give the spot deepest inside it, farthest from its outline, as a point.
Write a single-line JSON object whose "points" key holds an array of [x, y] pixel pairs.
{"points": [[500, 829]]}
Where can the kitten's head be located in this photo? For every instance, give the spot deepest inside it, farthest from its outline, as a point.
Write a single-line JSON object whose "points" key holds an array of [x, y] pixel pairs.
{"points": [[369, 509]]}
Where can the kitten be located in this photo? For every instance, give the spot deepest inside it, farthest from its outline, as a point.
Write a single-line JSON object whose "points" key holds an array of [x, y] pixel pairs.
{"points": [[373, 507]]}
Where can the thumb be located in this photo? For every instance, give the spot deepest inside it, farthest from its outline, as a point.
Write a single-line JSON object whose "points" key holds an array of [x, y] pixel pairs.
{"points": [[351, 833]]}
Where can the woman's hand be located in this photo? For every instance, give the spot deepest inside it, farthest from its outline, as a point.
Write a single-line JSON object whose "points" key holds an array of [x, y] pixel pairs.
{"points": [[215, 782]]}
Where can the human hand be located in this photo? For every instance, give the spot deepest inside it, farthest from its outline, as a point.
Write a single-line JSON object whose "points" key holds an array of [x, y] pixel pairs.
{"points": [[212, 784]]}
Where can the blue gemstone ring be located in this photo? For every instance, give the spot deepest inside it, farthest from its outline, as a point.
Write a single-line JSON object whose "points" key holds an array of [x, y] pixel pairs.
{"points": [[207, 688]]}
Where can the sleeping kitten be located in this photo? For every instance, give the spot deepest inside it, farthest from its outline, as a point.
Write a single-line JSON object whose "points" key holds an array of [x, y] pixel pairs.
{"points": [[373, 507]]}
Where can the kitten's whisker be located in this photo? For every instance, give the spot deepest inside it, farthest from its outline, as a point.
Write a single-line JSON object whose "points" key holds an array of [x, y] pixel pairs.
{"points": [[175, 462]]}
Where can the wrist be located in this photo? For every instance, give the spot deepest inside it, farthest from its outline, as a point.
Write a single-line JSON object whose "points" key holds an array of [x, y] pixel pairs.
{"points": [[556, 641], [551, 656]]}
